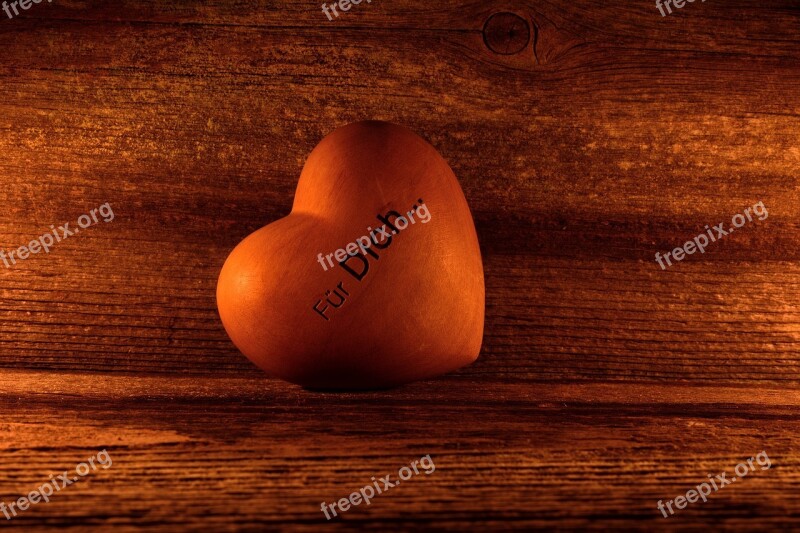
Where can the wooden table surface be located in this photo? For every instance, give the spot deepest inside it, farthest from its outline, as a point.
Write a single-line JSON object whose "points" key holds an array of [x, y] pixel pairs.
{"points": [[587, 136]]}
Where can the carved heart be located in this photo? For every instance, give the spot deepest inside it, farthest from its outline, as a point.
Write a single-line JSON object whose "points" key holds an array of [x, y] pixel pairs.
{"points": [[338, 295]]}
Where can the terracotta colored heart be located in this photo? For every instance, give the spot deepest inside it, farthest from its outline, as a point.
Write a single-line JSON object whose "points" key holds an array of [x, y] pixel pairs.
{"points": [[375, 277]]}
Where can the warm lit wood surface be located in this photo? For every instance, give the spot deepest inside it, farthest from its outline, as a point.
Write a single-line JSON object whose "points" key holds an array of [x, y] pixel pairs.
{"points": [[605, 384]]}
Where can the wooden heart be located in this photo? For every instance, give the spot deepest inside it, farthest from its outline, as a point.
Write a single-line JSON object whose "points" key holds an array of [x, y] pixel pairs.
{"points": [[373, 280]]}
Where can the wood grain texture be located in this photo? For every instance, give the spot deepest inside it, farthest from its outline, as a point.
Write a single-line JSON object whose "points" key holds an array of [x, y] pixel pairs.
{"points": [[604, 385]]}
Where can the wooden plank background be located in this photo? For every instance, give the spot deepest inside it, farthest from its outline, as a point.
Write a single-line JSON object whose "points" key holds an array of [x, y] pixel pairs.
{"points": [[605, 384]]}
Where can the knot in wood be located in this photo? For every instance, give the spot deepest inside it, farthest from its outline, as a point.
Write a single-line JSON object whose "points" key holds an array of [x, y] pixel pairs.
{"points": [[506, 33]]}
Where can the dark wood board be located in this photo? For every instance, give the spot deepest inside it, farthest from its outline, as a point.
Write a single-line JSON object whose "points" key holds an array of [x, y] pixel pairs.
{"points": [[605, 383]]}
